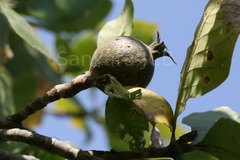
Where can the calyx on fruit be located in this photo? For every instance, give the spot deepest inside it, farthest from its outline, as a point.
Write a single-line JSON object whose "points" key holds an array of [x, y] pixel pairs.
{"points": [[129, 60]]}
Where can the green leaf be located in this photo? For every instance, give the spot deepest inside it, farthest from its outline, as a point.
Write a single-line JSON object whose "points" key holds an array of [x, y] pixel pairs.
{"points": [[46, 69], [156, 108], [6, 98], [71, 16], [77, 56], [144, 31], [127, 120], [25, 78], [69, 106], [5, 50], [203, 122], [208, 58], [25, 31], [122, 26], [198, 155], [114, 141], [114, 89], [221, 141]]}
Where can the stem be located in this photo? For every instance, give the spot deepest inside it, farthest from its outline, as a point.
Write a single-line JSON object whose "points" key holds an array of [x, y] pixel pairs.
{"points": [[158, 49]]}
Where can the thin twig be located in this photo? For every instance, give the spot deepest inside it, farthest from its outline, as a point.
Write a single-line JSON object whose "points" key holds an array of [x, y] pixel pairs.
{"points": [[65, 90]]}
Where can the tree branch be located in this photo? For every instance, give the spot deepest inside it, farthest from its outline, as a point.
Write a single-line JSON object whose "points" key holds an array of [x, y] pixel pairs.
{"points": [[65, 90], [65, 150], [51, 145]]}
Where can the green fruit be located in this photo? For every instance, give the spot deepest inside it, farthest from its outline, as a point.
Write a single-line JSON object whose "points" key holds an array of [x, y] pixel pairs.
{"points": [[129, 60]]}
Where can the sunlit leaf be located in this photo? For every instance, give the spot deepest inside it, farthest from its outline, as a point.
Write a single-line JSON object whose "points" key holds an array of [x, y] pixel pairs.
{"points": [[72, 16], [220, 141], [209, 56], [144, 31], [127, 120], [156, 108], [203, 122], [6, 97], [25, 31], [122, 26]]}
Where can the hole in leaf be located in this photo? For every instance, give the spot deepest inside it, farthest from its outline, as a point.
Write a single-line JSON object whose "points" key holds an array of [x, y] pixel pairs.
{"points": [[209, 55], [206, 80]]}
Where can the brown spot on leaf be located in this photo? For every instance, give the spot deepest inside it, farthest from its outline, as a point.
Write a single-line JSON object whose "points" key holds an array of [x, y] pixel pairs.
{"points": [[209, 55], [206, 80], [230, 26], [134, 111]]}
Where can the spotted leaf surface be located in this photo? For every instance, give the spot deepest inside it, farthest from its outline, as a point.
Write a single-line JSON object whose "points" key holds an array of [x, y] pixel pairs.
{"points": [[208, 59], [156, 108], [124, 118]]}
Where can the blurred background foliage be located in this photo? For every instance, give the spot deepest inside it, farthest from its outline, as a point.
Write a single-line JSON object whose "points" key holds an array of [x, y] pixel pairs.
{"points": [[26, 73]]}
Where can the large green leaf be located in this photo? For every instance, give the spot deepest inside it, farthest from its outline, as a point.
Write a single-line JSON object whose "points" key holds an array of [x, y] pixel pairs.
{"points": [[62, 15], [25, 78], [6, 97], [203, 122], [127, 120], [222, 140], [208, 58], [122, 26], [24, 30], [122, 115]]}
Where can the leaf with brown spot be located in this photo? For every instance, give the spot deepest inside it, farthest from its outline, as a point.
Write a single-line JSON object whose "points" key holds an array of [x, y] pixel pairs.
{"points": [[208, 58], [156, 108]]}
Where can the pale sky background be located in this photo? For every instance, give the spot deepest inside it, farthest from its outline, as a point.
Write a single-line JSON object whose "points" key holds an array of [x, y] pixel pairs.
{"points": [[177, 21]]}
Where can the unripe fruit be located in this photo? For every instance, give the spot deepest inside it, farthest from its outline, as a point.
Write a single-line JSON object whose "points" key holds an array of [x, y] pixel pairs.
{"points": [[129, 60]]}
